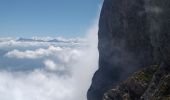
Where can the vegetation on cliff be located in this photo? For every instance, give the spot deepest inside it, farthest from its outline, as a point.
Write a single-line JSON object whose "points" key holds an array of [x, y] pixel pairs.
{"points": [[150, 83]]}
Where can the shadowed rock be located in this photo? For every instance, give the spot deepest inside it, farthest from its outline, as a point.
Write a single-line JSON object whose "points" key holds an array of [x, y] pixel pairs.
{"points": [[151, 83], [132, 34]]}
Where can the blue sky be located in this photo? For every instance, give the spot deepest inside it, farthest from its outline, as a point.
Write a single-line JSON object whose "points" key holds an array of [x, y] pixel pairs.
{"points": [[28, 18]]}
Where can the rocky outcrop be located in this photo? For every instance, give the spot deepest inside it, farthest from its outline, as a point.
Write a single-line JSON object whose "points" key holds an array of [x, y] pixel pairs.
{"points": [[151, 83], [132, 34], [133, 87]]}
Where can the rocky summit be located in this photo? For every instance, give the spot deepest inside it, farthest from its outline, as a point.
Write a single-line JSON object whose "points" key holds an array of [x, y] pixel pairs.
{"points": [[134, 51]]}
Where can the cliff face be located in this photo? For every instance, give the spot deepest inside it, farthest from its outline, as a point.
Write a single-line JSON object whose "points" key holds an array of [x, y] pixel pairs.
{"points": [[151, 83], [132, 34]]}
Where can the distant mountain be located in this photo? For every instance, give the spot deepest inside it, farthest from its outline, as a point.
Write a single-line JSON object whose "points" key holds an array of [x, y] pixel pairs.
{"points": [[54, 40], [58, 39], [64, 41], [29, 40]]}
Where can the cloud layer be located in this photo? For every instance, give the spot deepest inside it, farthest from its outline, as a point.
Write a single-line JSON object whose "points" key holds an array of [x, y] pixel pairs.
{"points": [[65, 73], [64, 54], [36, 85]]}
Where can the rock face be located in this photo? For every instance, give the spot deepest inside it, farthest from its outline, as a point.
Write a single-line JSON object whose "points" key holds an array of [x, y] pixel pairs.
{"points": [[133, 87], [132, 34], [151, 83]]}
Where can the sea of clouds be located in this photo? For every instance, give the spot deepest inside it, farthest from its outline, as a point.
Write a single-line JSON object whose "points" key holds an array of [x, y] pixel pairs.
{"points": [[42, 70]]}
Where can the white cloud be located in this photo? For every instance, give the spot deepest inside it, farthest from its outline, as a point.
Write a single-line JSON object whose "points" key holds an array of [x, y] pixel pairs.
{"points": [[52, 66], [13, 43], [27, 54], [46, 85], [63, 54], [36, 85]]}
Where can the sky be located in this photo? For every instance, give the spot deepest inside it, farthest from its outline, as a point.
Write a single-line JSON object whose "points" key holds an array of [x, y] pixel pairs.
{"points": [[29, 18]]}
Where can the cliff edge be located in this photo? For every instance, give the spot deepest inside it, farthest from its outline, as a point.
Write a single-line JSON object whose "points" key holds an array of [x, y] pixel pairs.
{"points": [[132, 34]]}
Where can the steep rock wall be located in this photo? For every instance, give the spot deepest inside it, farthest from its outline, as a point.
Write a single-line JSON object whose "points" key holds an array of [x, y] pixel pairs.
{"points": [[132, 34]]}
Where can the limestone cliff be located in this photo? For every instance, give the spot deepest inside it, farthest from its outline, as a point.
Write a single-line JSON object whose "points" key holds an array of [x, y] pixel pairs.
{"points": [[132, 34]]}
